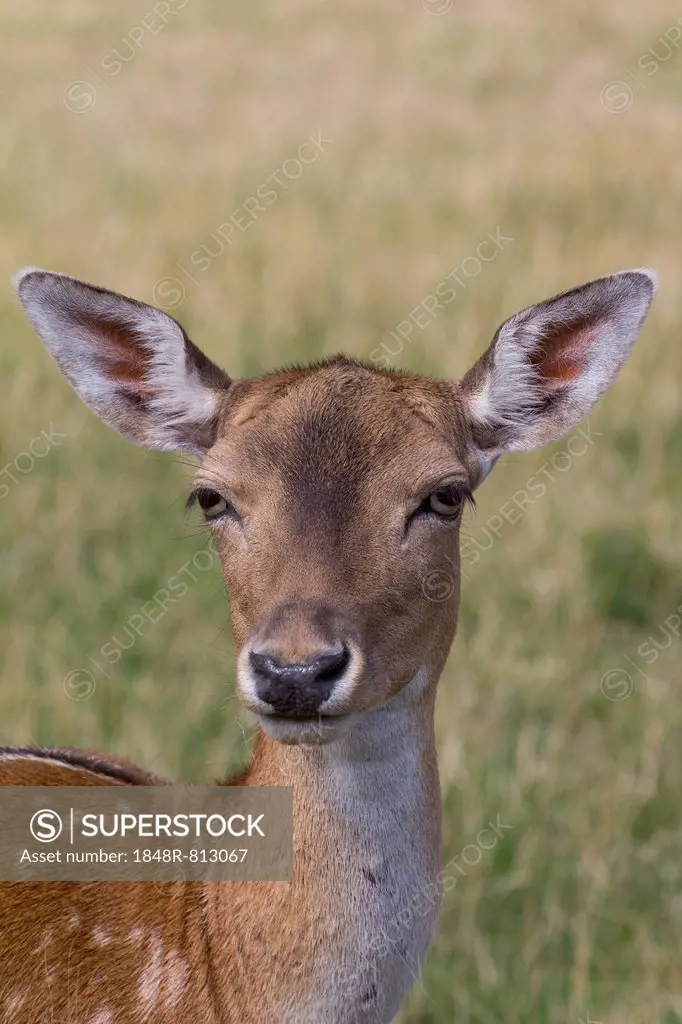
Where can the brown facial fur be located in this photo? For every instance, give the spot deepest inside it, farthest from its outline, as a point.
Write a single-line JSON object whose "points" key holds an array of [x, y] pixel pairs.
{"points": [[324, 466]]}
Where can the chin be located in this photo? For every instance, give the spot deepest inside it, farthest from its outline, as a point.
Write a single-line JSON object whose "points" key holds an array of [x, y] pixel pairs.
{"points": [[310, 733]]}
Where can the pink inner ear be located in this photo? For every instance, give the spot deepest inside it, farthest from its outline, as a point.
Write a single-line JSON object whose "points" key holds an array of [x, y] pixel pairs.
{"points": [[125, 360], [563, 354]]}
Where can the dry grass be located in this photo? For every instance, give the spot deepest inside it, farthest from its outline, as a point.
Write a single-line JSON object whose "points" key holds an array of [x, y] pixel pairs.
{"points": [[443, 128]]}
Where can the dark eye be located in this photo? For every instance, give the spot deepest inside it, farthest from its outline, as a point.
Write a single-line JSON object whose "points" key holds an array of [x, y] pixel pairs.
{"points": [[446, 501], [210, 502]]}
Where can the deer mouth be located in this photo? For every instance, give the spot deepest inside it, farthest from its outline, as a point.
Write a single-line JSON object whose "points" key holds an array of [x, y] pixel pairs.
{"points": [[311, 731]]}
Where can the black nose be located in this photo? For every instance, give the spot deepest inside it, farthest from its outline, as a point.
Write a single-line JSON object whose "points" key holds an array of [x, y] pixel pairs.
{"points": [[297, 689]]}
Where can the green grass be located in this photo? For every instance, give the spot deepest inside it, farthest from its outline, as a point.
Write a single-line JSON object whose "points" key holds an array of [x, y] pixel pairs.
{"points": [[444, 128]]}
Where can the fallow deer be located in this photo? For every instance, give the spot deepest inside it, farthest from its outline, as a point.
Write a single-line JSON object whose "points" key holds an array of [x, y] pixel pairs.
{"points": [[331, 492]]}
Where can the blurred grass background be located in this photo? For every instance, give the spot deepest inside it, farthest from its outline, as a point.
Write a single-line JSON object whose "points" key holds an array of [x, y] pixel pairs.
{"points": [[448, 122]]}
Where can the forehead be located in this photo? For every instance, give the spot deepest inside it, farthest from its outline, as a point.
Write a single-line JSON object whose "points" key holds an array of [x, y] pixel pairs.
{"points": [[339, 425]]}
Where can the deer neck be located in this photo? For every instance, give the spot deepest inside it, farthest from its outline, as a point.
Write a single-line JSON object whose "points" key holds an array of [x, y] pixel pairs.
{"points": [[366, 860]]}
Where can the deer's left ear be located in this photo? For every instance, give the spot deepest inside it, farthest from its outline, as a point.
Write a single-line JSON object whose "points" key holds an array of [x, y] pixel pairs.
{"points": [[550, 363], [130, 363]]}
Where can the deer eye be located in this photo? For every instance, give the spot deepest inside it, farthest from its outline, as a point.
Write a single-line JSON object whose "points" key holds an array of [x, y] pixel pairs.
{"points": [[447, 501], [210, 502]]}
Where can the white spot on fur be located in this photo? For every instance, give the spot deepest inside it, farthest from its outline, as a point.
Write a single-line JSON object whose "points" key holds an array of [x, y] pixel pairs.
{"points": [[100, 936], [176, 978], [74, 921], [151, 976], [45, 940], [136, 934], [13, 1003], [102, 1017]]}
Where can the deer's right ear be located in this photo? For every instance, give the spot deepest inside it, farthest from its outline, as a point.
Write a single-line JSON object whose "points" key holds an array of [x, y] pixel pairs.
{"points": [[130, 363]]}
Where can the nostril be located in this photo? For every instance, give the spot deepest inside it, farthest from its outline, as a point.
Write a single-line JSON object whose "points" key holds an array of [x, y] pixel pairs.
{"points": [[299, 688], [264, 665], [327, 666], [331, 666]]}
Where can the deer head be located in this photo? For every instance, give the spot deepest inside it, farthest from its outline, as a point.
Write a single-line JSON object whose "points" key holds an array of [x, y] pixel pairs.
{"points": [[333, 491]]}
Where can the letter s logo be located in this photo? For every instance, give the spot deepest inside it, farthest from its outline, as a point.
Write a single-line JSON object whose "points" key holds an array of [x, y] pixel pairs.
{"points": [[46, 826]]}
